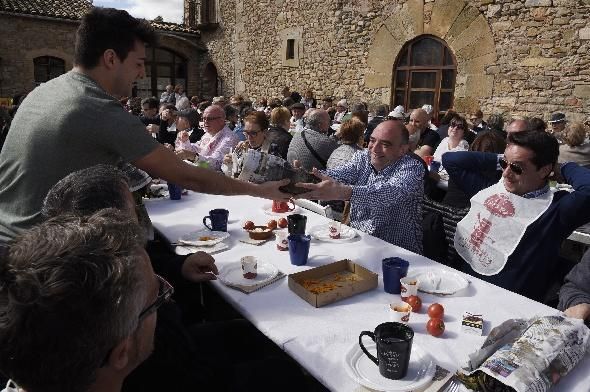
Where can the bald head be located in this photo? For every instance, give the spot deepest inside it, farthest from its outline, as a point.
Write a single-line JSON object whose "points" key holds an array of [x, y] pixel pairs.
{"points": [[388, 143], [419, 118], [518, 125]]}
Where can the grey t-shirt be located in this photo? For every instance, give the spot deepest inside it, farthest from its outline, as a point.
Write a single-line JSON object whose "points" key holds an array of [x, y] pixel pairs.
{"points": [[64, 125]]}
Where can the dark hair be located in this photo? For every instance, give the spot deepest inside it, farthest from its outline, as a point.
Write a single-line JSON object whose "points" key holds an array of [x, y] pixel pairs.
{"points": [[71, 289], [231, 110], [275, 103], [259, 118], [462, 120], [109, 28], [537, 124], [204, 105], [170, 106], [489, 141], [448, 116], [152, 102], [543, 145], [362, 116], [359, 107], [496, 122], [190, 115], [382, 110], [86, 191]]}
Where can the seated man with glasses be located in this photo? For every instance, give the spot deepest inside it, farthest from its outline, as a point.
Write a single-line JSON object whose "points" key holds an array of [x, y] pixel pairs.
{"points": [[215, 144], [513, 232], [78, 309]]}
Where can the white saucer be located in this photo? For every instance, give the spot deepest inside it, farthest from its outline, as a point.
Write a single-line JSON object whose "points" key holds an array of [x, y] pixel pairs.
{"points": [[441, 282], [192, 238], [322, 233], [268, 211], [364, 371], [231, 274]]}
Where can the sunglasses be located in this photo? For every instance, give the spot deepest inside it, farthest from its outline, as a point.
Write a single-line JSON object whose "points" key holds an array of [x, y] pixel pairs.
{"points": [[513, 166], [458, 125], [251, 133]]}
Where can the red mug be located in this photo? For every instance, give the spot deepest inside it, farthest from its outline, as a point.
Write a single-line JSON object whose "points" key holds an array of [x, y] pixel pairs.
{"points": [[282, 206]]}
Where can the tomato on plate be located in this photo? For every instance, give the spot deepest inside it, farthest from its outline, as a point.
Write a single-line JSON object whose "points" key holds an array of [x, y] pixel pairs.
{"points": [[435, 327]]}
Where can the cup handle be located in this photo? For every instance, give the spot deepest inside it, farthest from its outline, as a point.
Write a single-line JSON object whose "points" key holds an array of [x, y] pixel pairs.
{"points": [[372, 336], [205, 222], [292, 203]]}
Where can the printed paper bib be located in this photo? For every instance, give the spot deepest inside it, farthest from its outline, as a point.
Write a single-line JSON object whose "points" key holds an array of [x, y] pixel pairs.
{"points": [[494, 226]]}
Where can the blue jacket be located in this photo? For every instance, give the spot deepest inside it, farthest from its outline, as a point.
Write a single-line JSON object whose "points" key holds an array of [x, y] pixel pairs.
{"points": [[530, 269]]}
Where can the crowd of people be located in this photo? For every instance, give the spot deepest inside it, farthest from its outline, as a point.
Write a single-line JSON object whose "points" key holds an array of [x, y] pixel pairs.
{"points": [[94, 265]]}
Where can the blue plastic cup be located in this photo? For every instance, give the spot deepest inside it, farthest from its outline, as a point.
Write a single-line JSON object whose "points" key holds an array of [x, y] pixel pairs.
{"points": [[299, 248], [394, 269], [175, 191]]}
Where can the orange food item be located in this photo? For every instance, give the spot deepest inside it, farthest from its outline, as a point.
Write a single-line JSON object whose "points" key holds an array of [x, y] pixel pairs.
{"points": [[283, 223], [249, 225], [272, 224]]}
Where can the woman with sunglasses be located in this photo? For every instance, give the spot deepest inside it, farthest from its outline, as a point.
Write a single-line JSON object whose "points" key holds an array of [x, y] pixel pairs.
{"points": [[455, 141]]}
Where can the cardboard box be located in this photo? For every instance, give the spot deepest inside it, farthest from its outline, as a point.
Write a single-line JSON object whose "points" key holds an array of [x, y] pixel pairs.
{"points": [[332, 282]]}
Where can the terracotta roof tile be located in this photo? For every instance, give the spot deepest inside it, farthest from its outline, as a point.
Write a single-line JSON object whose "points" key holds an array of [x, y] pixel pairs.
{"points": [[173, 27], [64, 9]]}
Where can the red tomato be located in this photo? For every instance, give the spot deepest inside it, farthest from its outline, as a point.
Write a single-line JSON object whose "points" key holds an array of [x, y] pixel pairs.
{"points": [[415, 302], [272, 224], [283, 223], [436, 311], [249, 225], [435, 327]]}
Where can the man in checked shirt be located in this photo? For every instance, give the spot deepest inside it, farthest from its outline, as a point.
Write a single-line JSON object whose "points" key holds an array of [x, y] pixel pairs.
{"points": [[384, 186]]}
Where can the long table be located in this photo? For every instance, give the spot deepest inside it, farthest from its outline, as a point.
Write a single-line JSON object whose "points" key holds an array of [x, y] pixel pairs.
{"points": [[318, 338]]}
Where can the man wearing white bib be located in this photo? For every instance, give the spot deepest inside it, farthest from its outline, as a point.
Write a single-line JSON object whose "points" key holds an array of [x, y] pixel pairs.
{"points": [[513, 232]]}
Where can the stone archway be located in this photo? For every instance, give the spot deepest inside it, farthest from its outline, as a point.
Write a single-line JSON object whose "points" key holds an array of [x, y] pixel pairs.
{"points": [[210, 82], [464, 29]]}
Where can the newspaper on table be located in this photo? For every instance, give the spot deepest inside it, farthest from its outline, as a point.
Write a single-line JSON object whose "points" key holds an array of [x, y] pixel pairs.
{"points": [[531, 355], [258, 167]]}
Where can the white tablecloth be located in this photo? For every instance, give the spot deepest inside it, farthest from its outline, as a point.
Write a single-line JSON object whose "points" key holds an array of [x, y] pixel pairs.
{"points": [[318, 338]]}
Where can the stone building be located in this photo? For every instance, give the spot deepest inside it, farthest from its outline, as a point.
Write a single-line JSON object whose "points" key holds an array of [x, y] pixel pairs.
{"points": [[515, 56], [38, 44]]}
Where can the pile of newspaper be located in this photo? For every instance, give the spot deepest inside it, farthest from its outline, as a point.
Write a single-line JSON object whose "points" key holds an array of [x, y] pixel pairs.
{"points": [[529, 355], [258, 167]]}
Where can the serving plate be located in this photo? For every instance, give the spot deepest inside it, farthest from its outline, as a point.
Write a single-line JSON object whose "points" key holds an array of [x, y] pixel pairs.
{"points": [[203, 237], [322, 233], [364, 371], [231, 274]]}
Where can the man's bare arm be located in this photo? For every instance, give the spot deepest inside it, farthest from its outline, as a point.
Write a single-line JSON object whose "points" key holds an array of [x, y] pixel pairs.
{"points": [[163, 163]]}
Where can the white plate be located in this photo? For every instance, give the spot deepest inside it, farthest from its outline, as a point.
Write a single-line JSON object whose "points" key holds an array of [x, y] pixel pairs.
{"points": [[441, 282], [231, 274], [364, 371], [268, 211], [192, 238], [188, 249], [322, 233]]}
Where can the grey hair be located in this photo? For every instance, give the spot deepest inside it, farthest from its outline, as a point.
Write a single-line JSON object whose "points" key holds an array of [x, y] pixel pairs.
{"points": [[68, 300], [313, 119]]}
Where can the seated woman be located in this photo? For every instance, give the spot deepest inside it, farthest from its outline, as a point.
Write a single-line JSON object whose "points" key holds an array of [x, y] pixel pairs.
{"points": [[350, 134], [455, 141], [575, 147], [278, 133], [255, 130]]}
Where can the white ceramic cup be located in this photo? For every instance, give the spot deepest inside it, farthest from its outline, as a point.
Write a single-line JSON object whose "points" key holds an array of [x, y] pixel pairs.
{"points": [[399, 312], [281, 240], [409, 286], [249, 267], [334, 229]]}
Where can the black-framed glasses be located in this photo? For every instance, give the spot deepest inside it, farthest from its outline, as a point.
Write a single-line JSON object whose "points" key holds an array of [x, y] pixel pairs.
{"points": [[165, 292], [251, 133], [457, 124], [211, 118], [513, 166]]}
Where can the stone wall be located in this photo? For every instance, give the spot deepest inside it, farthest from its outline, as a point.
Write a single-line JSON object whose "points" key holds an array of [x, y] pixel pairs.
{"points": [[513, 56], [23, 39]]}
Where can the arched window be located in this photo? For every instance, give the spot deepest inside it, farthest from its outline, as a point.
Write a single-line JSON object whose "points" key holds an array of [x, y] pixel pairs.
{"points": [[424, 73], [211, 83], [162, 67], [47, 68]]}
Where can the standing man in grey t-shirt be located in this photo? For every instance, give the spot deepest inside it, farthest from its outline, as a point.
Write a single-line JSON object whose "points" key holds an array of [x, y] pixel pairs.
{"points": [[75, 121]]}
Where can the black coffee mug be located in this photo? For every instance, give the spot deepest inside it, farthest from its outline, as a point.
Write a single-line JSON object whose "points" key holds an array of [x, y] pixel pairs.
{"points": [[296, 223], [394, 345], [218, 219]]}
